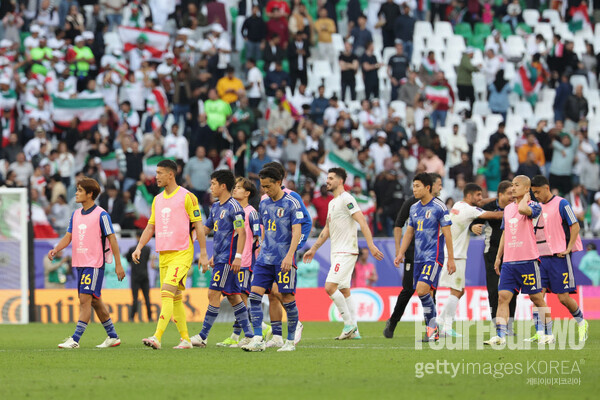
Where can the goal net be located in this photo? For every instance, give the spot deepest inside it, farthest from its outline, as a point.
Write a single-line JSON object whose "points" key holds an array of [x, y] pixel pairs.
{"points": [[13, 256]]}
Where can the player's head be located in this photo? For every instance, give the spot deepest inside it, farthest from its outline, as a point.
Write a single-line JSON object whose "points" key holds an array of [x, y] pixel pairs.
{"points": [[335, 177], [505, 192], [541, 188], [422, 185], [244, 189], [270, 180], [473, 193], [166, 170], [277, 166], [436, 184], [221, 181], [87, 189], [520, 186]]}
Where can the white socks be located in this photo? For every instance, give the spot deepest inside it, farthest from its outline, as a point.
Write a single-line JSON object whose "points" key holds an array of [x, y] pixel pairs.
{"points": [[340, 302], [352, 309], [449, 312]]}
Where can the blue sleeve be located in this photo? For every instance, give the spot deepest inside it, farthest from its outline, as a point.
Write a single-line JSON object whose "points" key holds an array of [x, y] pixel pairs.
{"points": [[260, 213], [296, 214], [70, 228], [302, 207], [238, 213], [254, 222], [411, 222], [536, 209], [209, 223], [566, 212], [106, 224], [502, 224], [444, 217]]}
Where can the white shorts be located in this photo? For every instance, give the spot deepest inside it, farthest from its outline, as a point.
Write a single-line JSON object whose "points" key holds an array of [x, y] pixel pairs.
{"points": [[455, 281], [340, 272]]}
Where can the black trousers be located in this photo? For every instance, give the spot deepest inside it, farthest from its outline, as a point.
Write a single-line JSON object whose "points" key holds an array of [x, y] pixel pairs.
{"points": [[371, 88], [405, 294], [492, 280], [349, 85], [296, 75], [437, 9], [136, 285], [466, 93]]}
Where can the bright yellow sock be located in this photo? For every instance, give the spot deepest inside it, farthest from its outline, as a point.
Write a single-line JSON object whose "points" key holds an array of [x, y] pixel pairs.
{"points": [[179, 317], [166, 312]]}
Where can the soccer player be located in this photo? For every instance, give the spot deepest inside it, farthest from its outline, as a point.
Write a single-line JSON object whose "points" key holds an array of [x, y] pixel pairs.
{"points": [[408, 288], [519, 257], [281, 216], [462, 214], [275, 299], [93, 238], [427, 218], [561, 238], [226, 219], [342, 215], [174, 219]]}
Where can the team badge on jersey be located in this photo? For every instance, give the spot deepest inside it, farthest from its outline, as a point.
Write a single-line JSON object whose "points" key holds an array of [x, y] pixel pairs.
{"points": [[280, 212], [350, 206], [223, 212], [196, 213], [428, 214]]}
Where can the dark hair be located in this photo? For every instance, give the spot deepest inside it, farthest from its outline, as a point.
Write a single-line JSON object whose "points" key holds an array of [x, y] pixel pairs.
{"points": [[504, 186], [169, 164], [539, 181], [248, 185], [471, 188], [270, 173], [425, 179], [340, 172], [434, 177], [278, 167], [89, 185], [224, 177], [250, 59]]}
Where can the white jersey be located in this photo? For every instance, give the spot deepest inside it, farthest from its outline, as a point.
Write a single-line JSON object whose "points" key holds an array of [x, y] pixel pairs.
{"points": [[342, 227], [461, 216]]}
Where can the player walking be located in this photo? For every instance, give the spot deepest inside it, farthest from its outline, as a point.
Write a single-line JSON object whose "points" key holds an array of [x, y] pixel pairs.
{"points": [[462, 214], [92, 233], [174, 218], [520, 266], [561, 238], [226, 219], [427, 218], [281, 216], [342, 215]]}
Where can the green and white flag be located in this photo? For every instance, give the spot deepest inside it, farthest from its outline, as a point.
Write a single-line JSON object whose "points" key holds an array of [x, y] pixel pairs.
{"points": [[150, 164], [87, 110]]}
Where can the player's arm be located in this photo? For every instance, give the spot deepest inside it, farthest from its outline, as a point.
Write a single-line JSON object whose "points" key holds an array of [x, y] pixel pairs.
{"points": [[286, 265], [238, 225], [308, 256], [406, 239], [144, 239], [491, 215], [360, 218], [531, 210], [64, 242], [574, 229], [448, 236], [499, 254], [201, 237], [114, 246]]}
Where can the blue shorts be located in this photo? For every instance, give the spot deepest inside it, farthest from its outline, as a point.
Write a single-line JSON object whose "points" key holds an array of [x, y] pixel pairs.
{"points": [[90, 280], [428, 272], [557, 274], [524, 277], [264, 275], [224, 280], [245, 280]]}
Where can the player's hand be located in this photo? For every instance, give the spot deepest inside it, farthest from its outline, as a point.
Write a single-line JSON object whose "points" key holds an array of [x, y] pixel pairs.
{"points": [[51, 254], [375, 252], [451, 266], [211, 262], [564, 253], [236, 265], [286, 265], [135, 256], [120, 271], [497, 266], [308, 256], [203, 263], [477, 229], [399, 259], [527, 198]]}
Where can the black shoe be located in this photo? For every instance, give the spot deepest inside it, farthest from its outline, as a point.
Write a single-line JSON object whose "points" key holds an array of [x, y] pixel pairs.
{"points": [[390, 326]]}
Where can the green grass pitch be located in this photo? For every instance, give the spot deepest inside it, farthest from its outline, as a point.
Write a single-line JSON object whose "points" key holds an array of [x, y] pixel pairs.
{"points": [[32, 367]]}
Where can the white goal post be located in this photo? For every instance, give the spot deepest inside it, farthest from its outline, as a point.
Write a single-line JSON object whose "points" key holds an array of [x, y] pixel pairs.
{"points": [[14, 242]]}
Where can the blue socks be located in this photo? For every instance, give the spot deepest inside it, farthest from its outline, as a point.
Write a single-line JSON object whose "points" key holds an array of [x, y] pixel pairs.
{"points": [[578, 315], [110, 329], [241, 317], [209, 320], [428, 310], [539, 325], [292, 314], [277, 328], [79, 330], [256, 312], [501, 330], [237, 329], [548, 327]]}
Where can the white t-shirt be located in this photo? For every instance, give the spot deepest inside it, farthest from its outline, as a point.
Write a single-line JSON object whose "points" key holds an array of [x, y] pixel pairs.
{"points": [[255, 79], [342, 227], [461, 216]]}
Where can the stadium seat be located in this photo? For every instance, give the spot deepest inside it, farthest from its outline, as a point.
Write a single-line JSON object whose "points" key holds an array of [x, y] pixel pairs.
{"points": [[354, 107], [531, 16], [338, 42], [436, 42], [463, 29], [525, 111], [577, 80], [515, 47], [477, 42], [399, 107], [545, 111], [492, 121], [481, 108], [525, 28], [482, 29], [423, 29], [454, 50], [388, 52], [594, 129], [545, 30], [552, 16], [509, 71], [504, 29], [479, 84], [443, 29], [461, 105]]}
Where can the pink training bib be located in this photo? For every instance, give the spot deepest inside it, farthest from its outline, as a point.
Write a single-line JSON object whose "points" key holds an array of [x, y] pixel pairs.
{"points": [[519, 237], [87, 240], [172, 222], [553, 229]]}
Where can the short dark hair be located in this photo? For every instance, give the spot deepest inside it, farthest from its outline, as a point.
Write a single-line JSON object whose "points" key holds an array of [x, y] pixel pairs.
{"points": [[539, 181], [340, 172], [471, 188], [248, 185], [89, 185], [224, 177], [278, 167], [424, 178], [270, 173], [504, 186], [169, 164], [434, 177]]}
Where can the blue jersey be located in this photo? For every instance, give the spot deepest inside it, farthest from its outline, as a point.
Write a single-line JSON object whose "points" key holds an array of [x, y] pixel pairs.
{"points": [[306, 222], [223, 219], [105, 221], [427, 221], [277, 218]]}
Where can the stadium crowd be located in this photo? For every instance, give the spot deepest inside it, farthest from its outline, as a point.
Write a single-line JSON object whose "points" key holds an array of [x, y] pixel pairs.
{"points": [[478, 93]]}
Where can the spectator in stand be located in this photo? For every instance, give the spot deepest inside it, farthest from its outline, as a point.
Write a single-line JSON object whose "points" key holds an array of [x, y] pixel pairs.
{"points": [[379, 151], [498, 92], [529, 168], [438, 7], [576, 109], [255, 86], [278, 25], [464, 169], [324, 28], [22, 170], [370, 65], [362, 36], [197, 173], [397, 68], [298, 53], [532, 146], [112, 201], [349, 67], [280, 119], [318, 106], [254, 31], [230, 87], [277, 79], [578, 203], [441, 104], [388, 12], [404, 28], [365, 273], [301, 22], [217, 111], [273, 53], [429, 67], [562, 162], [257, 163], [563, 92], [464, 77], [321, 203], [430, 163], [492, 63], [243, 118], [491, 169], [409, 93], [456, 146], [590, 176], [513, 17], [135, 165]]}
